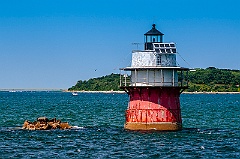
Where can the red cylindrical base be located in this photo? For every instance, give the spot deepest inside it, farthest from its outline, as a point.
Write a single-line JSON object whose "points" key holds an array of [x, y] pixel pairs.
{"points": [[153, 108]]}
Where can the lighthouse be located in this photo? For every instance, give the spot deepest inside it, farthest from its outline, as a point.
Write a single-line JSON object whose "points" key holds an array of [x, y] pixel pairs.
{"points": [[154, 85]]}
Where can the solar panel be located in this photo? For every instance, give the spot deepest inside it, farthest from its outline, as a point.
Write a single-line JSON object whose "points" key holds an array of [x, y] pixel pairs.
{"points": [[163, 51], [166, 45], [164, 48]]}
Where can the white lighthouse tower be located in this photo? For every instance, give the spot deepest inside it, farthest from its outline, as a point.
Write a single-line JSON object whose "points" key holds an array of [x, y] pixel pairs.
{"points": [[155, 86]]}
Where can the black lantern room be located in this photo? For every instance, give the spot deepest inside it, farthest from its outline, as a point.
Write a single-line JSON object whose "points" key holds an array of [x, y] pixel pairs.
{"points": [[152, 36]]}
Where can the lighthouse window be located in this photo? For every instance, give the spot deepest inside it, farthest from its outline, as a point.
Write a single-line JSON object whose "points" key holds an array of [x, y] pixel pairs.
{"points": [[161, 45], [157, 50], [168, 50], [158, 59], [174, 50], [172, 45], [156, 45], [149, 39]]}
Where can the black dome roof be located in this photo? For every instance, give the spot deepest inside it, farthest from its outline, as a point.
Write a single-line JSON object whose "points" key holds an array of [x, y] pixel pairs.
{"points": [[153, 31]]}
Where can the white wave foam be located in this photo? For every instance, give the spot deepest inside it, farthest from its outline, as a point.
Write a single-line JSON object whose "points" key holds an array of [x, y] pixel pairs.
{"points": [[77, 127]]}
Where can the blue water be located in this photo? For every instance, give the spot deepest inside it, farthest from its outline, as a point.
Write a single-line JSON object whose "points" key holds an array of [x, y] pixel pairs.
{"points": [[211, 127]]}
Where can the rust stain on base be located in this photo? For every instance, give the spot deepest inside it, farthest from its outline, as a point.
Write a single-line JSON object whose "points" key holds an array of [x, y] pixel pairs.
{"points": [[161, 126]]}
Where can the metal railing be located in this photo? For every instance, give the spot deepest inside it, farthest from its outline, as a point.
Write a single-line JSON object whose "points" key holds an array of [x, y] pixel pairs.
{"points": [[125, 81]]}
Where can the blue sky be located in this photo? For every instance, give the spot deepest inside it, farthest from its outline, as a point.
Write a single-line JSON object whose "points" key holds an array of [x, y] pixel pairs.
{"points": [[55, 43]]}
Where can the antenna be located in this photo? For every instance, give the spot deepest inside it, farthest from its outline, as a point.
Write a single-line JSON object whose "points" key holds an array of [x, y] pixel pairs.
{"points": [[136, 44]]}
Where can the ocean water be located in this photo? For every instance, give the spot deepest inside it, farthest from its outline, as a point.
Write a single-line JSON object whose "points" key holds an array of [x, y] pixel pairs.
{"points": [[211, 127]]}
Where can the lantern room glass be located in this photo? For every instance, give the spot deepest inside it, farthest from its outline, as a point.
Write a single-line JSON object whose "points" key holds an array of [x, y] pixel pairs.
{"points": [[153, 38]]}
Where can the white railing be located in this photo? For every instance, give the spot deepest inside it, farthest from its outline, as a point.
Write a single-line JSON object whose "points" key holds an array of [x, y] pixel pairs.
{"points": [[126, 81]]}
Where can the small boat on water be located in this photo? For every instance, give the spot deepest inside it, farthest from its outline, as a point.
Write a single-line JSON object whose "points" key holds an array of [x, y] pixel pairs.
{"points": [[74, 93]]}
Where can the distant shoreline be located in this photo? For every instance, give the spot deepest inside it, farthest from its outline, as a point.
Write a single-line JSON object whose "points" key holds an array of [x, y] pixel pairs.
{"points": [[125, 92], [210, 92], [118, 92], [33, 89]]}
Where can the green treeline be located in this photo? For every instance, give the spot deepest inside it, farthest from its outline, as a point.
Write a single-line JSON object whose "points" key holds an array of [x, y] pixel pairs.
{"points": [[215, 80], [209, 79], [105, 83]]}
